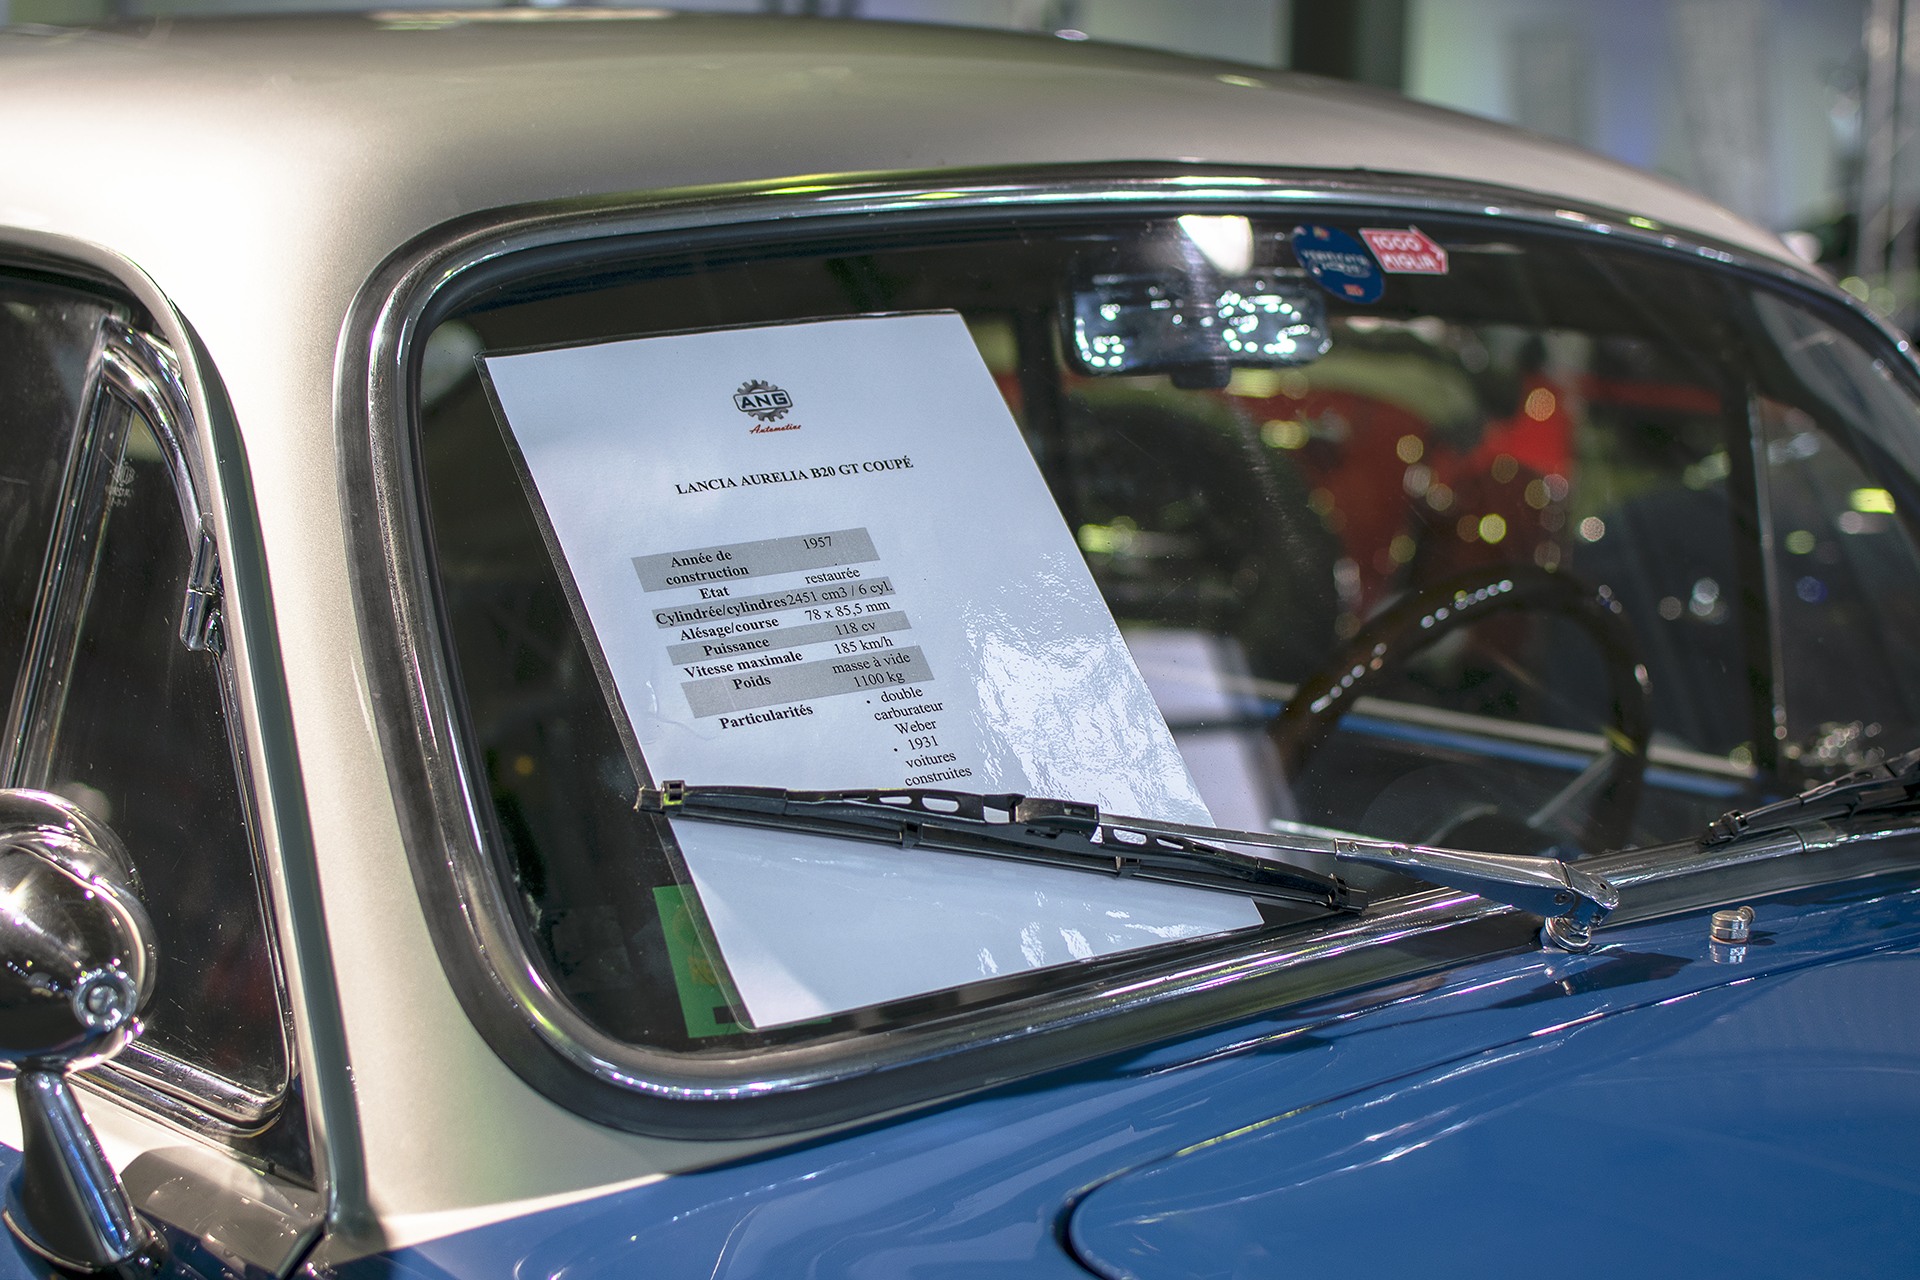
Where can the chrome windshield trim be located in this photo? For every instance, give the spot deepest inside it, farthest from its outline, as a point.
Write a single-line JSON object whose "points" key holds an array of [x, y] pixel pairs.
{"points": [[504, 987]]}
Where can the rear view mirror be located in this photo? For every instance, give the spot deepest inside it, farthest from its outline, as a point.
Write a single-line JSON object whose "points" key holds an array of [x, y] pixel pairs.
{"points": [[77, 964], [1192, 301]]}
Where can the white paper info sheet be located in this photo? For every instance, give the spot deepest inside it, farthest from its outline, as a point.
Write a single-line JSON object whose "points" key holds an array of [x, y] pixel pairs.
{"points": [[820, 555]]}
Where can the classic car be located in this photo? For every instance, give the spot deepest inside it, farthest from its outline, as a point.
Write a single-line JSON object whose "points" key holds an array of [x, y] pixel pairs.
{"points": [[645, 644]]}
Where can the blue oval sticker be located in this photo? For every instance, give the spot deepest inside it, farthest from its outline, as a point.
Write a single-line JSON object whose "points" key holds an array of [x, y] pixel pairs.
{"points": [[1339, 263]]}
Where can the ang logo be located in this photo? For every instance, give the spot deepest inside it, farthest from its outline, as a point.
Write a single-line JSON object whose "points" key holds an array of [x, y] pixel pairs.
{"points": [[762, 400]]}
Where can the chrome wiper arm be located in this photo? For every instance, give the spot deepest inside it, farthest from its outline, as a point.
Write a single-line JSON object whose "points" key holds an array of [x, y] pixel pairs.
{"points": [[1887, 785], [1572, 901], [1059, 833]]}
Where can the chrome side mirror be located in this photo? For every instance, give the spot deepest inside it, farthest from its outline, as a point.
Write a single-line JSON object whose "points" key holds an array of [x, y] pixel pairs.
{"points": [[77, 964]]}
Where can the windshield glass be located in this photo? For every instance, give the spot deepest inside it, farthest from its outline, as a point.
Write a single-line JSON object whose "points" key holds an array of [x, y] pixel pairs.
{"points": [[1456, 533]]}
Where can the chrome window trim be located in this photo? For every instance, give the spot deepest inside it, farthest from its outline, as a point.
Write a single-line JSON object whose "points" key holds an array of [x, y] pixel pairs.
{"points": [[503, 985], [143, 371], [194, 1099]]}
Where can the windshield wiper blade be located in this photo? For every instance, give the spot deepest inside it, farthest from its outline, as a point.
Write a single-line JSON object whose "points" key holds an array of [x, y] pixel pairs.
{"points": [[1066, 833], [1887, 785], [1058, 833]]}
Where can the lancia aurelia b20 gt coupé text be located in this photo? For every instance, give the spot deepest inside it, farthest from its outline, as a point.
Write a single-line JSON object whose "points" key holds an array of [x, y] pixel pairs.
{"points": [[643, 644]]}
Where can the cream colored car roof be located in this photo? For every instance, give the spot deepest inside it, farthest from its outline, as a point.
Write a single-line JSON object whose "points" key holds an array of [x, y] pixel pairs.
{"points": [[349, 134]]}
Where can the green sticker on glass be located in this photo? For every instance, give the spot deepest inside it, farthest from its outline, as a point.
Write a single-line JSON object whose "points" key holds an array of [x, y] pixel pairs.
{"points": [[707, 999]]}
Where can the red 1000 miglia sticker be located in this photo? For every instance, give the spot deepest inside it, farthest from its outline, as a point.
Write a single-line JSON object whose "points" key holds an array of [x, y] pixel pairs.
{"points": [[1407, 251]]}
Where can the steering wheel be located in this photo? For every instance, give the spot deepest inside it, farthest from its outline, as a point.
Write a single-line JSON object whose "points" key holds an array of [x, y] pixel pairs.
{"points": [[1610, 787]]}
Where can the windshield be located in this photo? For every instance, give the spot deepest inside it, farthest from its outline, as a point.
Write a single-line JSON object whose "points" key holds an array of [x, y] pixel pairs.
{"points": [[1430, 529]]}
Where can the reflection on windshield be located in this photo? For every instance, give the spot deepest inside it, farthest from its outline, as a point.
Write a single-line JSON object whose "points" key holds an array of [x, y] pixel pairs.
{"points": [[1294, 504]]}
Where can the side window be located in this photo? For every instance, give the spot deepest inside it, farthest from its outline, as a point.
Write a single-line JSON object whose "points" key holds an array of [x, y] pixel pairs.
{"points": [[117, 713], [142, 740], [47, 340], [1650, 517], [1844, 570], [1848, 589]]}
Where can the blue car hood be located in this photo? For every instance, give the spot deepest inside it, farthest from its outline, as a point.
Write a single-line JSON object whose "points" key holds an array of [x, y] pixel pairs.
{"points": [[1763, 1127]]}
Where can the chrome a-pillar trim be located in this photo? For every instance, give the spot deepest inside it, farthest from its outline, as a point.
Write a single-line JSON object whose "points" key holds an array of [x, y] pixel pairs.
{"points": [[503, 985]]}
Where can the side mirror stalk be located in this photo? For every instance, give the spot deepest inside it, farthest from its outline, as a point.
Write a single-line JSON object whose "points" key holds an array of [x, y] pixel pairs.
{"points": [[67, 1204], [77, 963]]}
